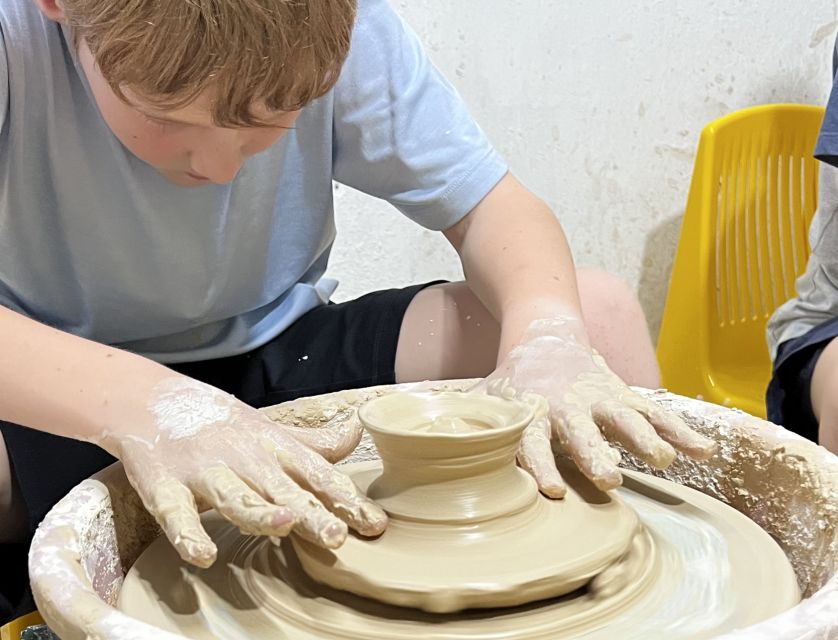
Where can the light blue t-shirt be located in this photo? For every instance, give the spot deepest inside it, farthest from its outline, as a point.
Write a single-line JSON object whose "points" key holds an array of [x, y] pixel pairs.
{"points": [[95, 242]]}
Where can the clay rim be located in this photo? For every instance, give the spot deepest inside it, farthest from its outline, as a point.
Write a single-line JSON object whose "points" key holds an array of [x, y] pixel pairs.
{"points": [[502, 421]]}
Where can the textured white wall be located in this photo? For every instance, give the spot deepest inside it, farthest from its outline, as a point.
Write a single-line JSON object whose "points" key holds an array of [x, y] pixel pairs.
{"points": [[597, 106]]}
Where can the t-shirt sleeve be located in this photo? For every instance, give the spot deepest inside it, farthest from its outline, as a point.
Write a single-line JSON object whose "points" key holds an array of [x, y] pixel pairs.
{"points": [[826, 148], [816, 301], [401, 131], [4, 81]]}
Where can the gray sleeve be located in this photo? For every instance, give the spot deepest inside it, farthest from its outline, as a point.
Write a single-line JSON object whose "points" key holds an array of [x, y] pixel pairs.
{"points": [[401, 131], [817, 289], [4, 81]]}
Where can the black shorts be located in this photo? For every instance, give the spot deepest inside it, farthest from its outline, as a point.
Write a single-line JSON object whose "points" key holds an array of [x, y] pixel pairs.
{"points": [[333, 347], [788, 400]]}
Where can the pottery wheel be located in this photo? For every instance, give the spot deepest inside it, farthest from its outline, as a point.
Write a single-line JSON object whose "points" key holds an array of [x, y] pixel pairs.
{"points": [[714, 571], [473, 548]]}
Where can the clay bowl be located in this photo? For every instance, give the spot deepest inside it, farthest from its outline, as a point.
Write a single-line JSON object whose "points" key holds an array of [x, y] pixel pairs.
{"points": [[787, 485], [455, 497]]}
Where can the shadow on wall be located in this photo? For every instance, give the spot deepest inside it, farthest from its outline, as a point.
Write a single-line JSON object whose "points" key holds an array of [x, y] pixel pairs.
{"points": [[656, 268]]}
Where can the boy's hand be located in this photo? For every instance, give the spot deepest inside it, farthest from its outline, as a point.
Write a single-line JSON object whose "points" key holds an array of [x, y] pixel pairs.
{"points": [[206, 448], [584, 400]]}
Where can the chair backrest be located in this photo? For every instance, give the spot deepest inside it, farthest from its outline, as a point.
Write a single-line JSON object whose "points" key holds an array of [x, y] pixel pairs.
{"points": [[743, 243]]}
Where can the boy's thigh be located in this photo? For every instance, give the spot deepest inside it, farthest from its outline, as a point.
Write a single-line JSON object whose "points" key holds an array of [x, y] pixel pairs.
{"points": [[7, 527], [14, 597], [43, 468], [12, 513], [337, 346]]}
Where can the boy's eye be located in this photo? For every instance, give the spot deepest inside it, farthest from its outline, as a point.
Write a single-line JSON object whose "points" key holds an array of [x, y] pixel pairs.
{"points": [[161, 124]]}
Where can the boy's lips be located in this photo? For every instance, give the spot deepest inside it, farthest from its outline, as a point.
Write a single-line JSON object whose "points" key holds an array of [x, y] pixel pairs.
{"points": [[196, 176]]}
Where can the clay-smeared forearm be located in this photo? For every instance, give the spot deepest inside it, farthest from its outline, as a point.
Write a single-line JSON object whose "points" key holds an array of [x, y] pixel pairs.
{"points": [[517, 261], [184, 444], [65, 385]]}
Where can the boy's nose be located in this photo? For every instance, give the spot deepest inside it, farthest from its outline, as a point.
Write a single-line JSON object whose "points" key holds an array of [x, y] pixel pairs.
{"points": [[219, 160], [220, 169]]}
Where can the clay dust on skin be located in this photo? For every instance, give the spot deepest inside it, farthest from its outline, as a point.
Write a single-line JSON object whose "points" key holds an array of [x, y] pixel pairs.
{"points": [[183, 407]]}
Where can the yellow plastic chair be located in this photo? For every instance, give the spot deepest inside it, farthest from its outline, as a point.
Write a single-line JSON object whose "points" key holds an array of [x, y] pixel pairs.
{"points": [[744, 241], [13, 630]]}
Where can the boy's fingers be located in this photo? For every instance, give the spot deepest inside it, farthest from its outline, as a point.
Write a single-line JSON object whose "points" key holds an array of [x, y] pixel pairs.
{"points": [[581, 440], [170, 502], [237, 502], [535, 455], [312, 520], [173, 506], [621, 423], [674, 430], [335, 489]]}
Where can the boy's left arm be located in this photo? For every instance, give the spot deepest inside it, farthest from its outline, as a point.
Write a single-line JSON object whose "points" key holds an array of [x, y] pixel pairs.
{"points": [[517, 261]]}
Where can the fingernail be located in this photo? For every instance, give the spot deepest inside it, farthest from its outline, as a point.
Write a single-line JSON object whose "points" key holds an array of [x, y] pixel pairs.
{"points": [[662, 456], [608, 482], [333, 534], [282, 521], [200, 555], [555, 491], [709, 449], [373, 519]]}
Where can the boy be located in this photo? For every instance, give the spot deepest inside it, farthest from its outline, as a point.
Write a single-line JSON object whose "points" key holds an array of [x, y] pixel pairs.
{"points": [[166, 199], [801, 333]]}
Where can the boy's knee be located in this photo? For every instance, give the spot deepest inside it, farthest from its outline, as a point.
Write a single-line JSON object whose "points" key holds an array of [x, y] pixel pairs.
{"points": [[601, 292], [617, 327]]}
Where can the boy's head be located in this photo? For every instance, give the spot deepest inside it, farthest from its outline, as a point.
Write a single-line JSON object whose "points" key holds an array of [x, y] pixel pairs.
{"points": [[193, 87]]}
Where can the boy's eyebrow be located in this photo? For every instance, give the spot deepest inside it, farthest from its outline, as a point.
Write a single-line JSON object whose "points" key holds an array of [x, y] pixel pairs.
{"points": [[167, 118]]}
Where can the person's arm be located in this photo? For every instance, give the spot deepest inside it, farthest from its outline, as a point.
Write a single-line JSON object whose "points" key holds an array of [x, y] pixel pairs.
{"points": [[816, 304], [179, 440], [517, 261], [403, 134]]}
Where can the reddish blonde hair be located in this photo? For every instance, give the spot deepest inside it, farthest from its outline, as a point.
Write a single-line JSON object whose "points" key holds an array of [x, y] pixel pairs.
{"points": [[277, 54]]}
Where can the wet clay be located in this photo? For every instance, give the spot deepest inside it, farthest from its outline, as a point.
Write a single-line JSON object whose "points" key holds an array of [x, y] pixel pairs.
{"points": [[455, 498], [714, 571], [468, 529]]}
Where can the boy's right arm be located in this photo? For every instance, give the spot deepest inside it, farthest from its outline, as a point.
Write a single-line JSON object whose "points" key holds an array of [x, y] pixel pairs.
{"points": [[179, 440]]}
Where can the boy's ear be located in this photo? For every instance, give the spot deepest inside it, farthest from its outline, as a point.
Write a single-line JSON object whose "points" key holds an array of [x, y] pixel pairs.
{"points": [[52, 9]]}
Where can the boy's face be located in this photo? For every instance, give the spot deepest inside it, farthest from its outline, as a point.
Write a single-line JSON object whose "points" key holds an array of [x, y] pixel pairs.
{"points": [[183, 145]]}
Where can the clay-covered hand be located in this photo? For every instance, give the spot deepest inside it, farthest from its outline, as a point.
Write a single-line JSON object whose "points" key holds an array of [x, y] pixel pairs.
{"points": [[204, 449], [582, 401]]}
